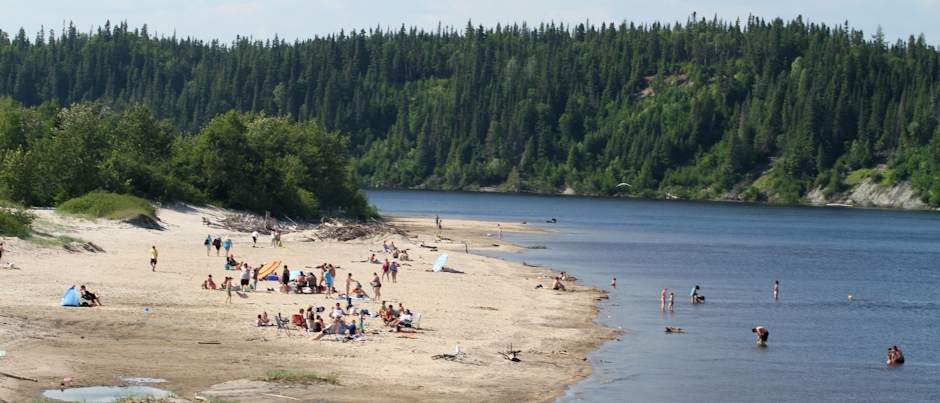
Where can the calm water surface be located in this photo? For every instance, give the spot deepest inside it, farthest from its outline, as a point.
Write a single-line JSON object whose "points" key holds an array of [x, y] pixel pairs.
{"points": [[822, 347]]}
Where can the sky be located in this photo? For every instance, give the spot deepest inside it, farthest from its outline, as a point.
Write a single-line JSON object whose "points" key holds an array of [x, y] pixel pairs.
{"points": [[293, 19]]}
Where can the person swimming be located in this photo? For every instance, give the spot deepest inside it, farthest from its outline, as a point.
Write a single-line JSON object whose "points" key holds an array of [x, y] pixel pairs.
{"points": [[895, 356]]}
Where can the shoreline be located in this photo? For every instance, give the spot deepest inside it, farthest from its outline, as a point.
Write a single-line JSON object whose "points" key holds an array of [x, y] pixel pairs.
{"points": [[494, 304], [895, 206]]}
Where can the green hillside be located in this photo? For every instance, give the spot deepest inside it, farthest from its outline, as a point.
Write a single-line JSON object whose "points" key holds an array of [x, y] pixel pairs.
{"points": [[697, 109]]}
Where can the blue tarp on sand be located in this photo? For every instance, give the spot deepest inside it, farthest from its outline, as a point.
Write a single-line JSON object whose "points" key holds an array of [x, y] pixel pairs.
{"points": [[70, 298]]}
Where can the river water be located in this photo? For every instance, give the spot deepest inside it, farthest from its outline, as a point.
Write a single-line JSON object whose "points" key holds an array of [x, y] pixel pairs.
{"points": [[822, 346]]}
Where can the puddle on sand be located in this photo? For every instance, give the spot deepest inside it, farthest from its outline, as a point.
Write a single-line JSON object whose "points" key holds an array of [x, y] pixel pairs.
{"points": [[104, 394]]}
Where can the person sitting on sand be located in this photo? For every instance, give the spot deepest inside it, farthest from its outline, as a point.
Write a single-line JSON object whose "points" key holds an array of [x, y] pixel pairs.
{"points": [[384, 247], [208, 284], [317, 325], [557, 286], [392, 246], [337, 311], [264, 318], [260, 322], [395, 254], [309, 317], [358, 292], [300, 282], [403, 320], [338, 323], [390, 316], [312, 282], [404, 255], [92, 297]]}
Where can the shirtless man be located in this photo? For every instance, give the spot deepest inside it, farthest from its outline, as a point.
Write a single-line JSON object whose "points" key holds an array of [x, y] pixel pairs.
{"points": [[762, 334], [557, 285]]}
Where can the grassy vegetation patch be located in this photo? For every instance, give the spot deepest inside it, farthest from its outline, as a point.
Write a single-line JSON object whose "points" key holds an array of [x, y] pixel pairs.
{"points": [[295, 376], [15, 222], [108, 205], [857, 176]]}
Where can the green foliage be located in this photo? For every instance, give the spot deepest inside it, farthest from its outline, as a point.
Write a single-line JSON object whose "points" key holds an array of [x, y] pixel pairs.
{"points": [[857, 176], [13, 223], [108, 205], [694, 108]]}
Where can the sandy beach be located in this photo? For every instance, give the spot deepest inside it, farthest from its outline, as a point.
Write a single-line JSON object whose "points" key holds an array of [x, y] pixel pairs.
{"points": [[152, 322]]}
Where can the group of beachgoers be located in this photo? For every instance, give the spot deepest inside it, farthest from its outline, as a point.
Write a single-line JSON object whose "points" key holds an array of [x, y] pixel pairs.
{"points": [[894, 353], [349, 322]]}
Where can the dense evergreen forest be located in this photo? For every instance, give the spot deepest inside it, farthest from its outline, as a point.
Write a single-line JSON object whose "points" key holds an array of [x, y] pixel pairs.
{"points": [[756, 109]]}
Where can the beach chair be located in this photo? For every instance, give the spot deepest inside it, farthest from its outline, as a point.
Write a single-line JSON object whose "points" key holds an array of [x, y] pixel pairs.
{"points": [[282, 324]]}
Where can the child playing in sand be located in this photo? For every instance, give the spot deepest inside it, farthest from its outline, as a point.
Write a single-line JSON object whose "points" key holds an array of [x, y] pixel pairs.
{"points": [[208, 284]]}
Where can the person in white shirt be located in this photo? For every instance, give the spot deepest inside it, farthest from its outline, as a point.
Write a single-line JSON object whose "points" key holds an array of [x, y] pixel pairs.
{"points": [[254, 239]]}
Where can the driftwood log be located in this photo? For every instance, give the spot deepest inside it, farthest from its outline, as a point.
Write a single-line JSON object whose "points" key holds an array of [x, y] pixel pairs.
{"points": [[342, 230]]}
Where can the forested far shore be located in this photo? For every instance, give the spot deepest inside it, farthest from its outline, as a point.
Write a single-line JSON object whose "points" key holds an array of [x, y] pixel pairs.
{"points": [[756, 109]]}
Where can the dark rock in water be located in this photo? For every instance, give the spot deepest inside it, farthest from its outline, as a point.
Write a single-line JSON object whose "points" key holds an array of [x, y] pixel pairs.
{"points": [[143, 221]]}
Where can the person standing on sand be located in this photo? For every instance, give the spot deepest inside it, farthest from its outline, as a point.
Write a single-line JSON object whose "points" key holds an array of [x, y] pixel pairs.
{"points": [[672, 297], [377, 286], [254, 278], [328, 279], [254, 239], [153, 258], [437, 220], [394, 271], [208, 244], [385, 270], [227, 245], [662, 299], [217, 242], [227, 285], [285, 280], [349, 281], [776, 288]]}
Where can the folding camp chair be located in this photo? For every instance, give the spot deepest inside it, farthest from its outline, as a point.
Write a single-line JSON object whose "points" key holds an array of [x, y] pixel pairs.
{"points": [[282, 324]]}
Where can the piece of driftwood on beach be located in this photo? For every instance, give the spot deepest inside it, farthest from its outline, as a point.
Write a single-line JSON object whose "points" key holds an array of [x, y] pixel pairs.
{"points": [[22, 378], [342, 230]]}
